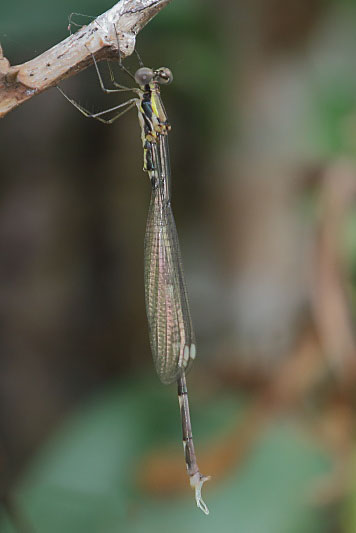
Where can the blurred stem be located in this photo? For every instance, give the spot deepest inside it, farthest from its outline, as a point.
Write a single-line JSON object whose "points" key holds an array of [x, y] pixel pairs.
{"points": [[15, 515], [115, 29]]}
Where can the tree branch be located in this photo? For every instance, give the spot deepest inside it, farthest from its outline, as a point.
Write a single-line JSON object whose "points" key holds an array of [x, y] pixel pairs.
{"points": [[117, 26]]}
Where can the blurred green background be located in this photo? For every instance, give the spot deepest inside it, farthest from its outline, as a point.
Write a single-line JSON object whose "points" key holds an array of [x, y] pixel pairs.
{"points": [[263, 145]]}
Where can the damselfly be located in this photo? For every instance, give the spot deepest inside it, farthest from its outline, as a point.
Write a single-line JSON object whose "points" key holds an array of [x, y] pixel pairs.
{"points": [[170, 326]]}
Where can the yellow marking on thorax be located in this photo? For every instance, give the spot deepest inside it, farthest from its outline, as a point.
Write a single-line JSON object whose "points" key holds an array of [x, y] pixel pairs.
{"points": [[161, 123]]}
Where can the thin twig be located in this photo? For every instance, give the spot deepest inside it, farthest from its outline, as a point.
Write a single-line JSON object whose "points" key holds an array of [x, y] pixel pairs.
{"points": [[120, 24]]}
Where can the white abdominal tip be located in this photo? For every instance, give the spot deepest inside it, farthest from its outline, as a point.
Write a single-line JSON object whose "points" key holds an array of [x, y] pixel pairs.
{"points": [[196, 482]]}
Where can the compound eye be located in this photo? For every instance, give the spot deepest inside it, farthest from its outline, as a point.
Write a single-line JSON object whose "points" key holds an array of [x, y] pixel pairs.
{"points": [[163, 75], [144, 75]]}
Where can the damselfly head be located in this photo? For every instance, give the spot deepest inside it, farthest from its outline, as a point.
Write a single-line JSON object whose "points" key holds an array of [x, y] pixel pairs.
{"points": [[163, 75], [144, 75]]}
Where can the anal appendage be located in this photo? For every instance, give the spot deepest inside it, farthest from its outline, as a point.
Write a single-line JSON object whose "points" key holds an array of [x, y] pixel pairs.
{"points": [[197, 480]]}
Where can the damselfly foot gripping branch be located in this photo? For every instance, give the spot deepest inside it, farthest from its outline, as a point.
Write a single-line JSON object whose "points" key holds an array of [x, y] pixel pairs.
{"points": [[171, 332]]}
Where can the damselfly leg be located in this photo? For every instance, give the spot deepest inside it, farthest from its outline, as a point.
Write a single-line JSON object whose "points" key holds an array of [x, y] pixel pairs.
{"points": [[72, 23], [119, 87], [98, 116], [122, 67]]}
